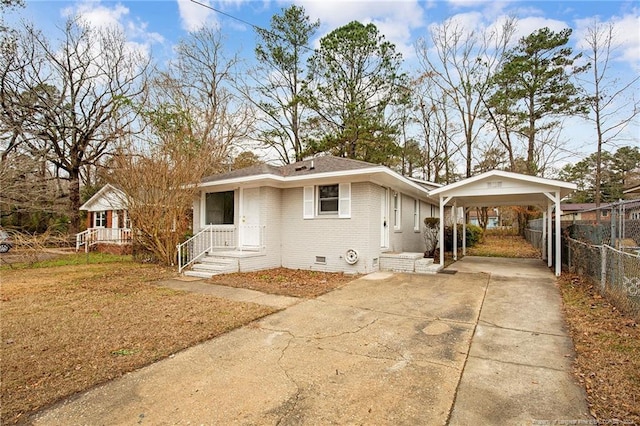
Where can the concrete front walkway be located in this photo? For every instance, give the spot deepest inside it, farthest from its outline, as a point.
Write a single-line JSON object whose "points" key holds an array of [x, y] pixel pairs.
{"points": [[384, 349]]}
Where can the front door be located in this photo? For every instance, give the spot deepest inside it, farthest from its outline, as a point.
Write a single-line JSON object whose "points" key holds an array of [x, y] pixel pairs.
{"points": [[384, 218], [250, 218]]}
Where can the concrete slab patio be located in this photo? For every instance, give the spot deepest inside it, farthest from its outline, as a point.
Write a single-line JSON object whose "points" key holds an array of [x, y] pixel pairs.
{"points": [[384, 349]]}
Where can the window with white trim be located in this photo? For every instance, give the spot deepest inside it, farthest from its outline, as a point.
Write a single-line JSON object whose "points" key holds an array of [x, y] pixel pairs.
{"points": [[327, 200], [100, 219], [397, 217], [416, 215]]}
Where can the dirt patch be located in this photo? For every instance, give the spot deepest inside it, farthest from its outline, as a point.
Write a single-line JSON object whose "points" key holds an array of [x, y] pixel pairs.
{"points": [[286, 282], [68, 328], [607, 343]]}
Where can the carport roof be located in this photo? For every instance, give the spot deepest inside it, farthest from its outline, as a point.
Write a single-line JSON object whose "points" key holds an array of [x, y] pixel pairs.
{"points": [[499, 188]]}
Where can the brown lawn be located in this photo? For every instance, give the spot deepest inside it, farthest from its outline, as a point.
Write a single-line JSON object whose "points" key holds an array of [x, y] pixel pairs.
{"points": [[68, 328]]}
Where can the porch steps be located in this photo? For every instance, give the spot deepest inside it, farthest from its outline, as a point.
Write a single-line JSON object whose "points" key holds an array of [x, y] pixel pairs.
{"points": [[408, 262], [211, 265]]}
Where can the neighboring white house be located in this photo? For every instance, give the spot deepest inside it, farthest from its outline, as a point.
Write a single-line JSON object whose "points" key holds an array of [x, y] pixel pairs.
{"points": [[326, 213], [107, 221]]}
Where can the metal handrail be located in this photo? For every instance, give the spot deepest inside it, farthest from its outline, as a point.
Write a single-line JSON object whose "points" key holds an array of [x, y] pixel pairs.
{"points": [[185, 258]]}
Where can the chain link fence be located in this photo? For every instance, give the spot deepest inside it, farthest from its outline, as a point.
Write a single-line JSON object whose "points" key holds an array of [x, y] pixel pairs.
{"points": [[604, 246]]}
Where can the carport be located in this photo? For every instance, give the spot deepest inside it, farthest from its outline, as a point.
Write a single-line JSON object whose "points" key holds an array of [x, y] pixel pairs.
{"points": [[499, 188]]}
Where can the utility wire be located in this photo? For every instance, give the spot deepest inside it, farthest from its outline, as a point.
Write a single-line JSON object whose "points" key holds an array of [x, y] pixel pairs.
{"points": [[255, 27]]}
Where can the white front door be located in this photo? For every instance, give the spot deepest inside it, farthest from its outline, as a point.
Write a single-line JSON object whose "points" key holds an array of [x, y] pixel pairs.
{"points": [[384, 218], [250, 218]]}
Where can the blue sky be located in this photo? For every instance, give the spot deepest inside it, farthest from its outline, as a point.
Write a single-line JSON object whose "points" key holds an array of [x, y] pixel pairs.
{"points": [[155, 26]]}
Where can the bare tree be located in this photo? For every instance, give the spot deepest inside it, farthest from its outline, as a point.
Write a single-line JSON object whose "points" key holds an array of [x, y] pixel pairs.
{"points": [[159, 177], [70, 101], [460, 63], [612, 103], [199, 83]]}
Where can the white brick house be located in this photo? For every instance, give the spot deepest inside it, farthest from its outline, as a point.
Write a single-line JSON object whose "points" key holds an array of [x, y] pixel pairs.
{"points": [[325, 213]]}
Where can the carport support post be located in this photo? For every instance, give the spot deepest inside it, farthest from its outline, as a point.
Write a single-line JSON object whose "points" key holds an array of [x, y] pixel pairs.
{"points": [[443, 202], [543, 242], [454, 215], [558, 232], [464, 232], [549, 233]]}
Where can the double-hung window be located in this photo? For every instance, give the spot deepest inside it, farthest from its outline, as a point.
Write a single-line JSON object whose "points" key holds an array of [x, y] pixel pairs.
{"points": [[327, 200], [100, 219], [416, 215]]}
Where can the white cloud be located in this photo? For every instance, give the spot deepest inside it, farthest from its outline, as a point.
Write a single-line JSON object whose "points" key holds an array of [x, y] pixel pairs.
{"points": [[194, 16], [99, 15], [626, 36], [531, 24], [395, 20]]}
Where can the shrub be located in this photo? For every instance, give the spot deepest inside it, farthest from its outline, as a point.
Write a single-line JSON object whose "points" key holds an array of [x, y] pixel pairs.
{"points": [[474, 236]]}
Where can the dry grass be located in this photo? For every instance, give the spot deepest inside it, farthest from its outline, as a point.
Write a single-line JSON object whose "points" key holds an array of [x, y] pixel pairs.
{"points": [[68, 328], [608, 351], [502, 244], [287, 282]]}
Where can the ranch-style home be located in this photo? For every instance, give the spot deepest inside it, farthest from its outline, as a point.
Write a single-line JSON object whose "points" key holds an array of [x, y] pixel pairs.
{"points": [[326, 213]]}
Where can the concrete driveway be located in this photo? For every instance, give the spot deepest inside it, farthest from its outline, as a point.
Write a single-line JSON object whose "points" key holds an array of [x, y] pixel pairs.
{"points": [[464, 348]]}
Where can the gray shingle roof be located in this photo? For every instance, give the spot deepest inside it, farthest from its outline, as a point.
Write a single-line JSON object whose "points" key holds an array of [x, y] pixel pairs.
{"points": [[324, 164]]}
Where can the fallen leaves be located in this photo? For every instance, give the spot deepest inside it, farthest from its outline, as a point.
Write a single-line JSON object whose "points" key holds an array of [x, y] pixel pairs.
{"points": [[286, 282], [607, 344]]}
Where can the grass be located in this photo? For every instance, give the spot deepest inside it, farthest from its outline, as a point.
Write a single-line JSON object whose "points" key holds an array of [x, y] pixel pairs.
{"points": [[68, 325], [69, 259]]}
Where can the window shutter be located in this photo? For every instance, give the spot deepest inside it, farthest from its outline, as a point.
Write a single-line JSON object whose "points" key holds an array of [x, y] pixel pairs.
{"points": [[344, 200], [308, 202]]}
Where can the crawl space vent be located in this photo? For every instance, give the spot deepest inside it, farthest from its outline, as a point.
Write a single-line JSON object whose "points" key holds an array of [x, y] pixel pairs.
{"points": [[321, 259]]}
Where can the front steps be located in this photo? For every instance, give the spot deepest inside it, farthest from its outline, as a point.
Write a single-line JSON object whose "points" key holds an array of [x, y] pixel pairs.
{"points": [[211, 265], [408, 262]]}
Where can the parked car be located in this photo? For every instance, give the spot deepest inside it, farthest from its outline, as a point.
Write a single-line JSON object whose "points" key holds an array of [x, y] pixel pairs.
{"points": [[5, 241]]}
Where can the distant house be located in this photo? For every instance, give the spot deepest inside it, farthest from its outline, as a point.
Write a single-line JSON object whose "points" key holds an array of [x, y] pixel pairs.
{"points": [[493, 219], [584, 211], [325, 213], [108, 227]]}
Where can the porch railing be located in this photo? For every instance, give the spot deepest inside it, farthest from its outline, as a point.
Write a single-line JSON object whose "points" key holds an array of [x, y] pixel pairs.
{"points": [[210, 238], [93, 236]]}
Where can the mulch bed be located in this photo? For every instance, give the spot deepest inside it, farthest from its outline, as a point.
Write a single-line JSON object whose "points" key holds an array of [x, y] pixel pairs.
{"points": [[286, 282]]}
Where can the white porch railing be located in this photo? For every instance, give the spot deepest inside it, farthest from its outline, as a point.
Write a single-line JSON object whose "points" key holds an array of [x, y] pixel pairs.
{"points": [[208, 239], [220, 237], [93, 236]]}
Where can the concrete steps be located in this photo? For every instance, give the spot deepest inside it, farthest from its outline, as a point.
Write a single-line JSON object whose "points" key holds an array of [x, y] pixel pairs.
{"points": [[408, 262], [211, 265]]}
